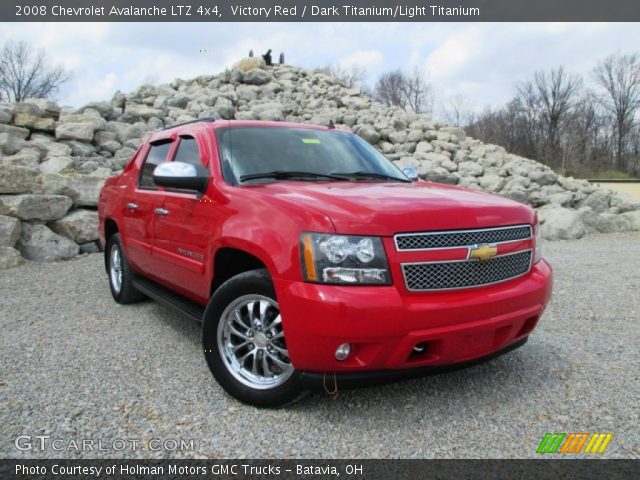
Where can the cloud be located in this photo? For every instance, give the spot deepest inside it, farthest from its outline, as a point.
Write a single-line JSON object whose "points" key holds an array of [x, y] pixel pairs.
{"points": [[481, 60], [366, 59]]}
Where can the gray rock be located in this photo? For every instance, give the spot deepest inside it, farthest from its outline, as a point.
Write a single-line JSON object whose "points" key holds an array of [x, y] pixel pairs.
{"points": [[47, 108], [543, 177], [598, 201], [35, 207], [559, 223], [17, 179], [38, 242], [492, 183], [424, 147], [81, 226], [10, 258], [90, 247], [470, 169], [368, 133], [105, 109], [18, 132], [34, 122], [10, 144], [27, 157], [6, 114], [56, 164], [84, 190], [136, 112], [82, 132], [633, 219], [9, 231], [256, 76], [441, 175]]}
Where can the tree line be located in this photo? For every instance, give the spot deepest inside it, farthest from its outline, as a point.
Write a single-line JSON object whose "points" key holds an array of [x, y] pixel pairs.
{"points": [[576, 125]]}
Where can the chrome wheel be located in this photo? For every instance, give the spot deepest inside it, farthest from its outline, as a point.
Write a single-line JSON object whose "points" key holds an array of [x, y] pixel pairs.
{"points": [[115, 268], [251, 342]]}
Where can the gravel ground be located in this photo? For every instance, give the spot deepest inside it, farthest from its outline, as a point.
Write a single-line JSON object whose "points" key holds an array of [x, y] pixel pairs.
{"points": [[77, 365]]}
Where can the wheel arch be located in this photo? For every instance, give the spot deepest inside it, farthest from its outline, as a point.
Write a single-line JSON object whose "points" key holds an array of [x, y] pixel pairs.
{"points": [[230, 261], [110, 229]]}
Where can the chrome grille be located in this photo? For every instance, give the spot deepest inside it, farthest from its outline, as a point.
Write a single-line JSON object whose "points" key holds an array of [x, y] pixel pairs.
{"points": [[465, 273], [461, 238]]}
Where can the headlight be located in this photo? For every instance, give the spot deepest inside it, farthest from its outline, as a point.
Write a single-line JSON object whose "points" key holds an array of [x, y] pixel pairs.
{"points": [[343, 259], [538, 241]]}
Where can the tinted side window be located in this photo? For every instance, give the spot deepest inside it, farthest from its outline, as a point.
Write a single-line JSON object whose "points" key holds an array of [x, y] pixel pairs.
{"points": [[157, 155], [188, 151]]}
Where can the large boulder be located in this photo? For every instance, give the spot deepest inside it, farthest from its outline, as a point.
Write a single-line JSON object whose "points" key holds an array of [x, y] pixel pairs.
{"points": [[249, 63], [18, 132], [81, 226], [27, 157], [82, 132], [35, 207], [632, 219], [17, 179], [368, 133], [256, 76], [10, 258], [559, 223], [38, 242], [31, 116], [84, 190], [56, 164], [9, 231]]}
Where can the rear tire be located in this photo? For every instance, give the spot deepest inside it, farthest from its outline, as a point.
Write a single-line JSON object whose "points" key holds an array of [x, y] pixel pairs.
{"points": [[244, 342], [120, 274]]}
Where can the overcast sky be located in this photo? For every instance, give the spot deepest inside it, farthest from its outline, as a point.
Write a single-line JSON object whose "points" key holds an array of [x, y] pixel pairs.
{"points": [[483, 61]]}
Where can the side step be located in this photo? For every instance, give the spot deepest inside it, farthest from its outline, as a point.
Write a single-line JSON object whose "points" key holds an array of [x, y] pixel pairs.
{"points": [[165, 296]]}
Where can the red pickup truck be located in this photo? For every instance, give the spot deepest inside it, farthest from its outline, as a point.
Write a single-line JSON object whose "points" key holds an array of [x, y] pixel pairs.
{"points": [[313, 261]]}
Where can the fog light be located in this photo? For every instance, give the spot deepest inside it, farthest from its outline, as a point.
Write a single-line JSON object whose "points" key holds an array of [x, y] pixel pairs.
{"points": [[343, 351]]}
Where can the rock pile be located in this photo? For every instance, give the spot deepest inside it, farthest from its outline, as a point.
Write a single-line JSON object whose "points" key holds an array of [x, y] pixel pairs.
{"points": [[53, 160]]}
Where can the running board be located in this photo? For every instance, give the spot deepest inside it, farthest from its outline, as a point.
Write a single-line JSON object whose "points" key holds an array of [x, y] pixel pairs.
{"points": [[165, 296]]}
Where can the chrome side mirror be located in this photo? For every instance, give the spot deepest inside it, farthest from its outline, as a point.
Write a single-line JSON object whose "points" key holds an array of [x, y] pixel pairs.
{"points": [[180, 175], [410, 173]]}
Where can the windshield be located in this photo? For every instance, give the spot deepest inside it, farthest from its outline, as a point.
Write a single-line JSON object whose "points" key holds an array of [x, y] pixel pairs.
{"points": [[259, 154]]}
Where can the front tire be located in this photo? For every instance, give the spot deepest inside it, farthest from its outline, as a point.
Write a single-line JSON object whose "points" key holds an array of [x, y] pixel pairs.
{"points": [[120, 274], [244, 342]]}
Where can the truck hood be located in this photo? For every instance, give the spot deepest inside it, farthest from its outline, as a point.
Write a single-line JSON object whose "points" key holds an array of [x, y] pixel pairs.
{"points": [[382, 208]]}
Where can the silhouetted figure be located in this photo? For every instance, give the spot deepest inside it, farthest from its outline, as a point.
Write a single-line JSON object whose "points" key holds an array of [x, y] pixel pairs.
{"points": [[267, 57], [281, 61], [250, 53]]}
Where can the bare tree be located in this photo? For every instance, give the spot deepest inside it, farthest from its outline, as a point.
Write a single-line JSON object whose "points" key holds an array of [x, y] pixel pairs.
{"points": [[409, 91], [548, 101], [458, 111], [619, 76], [26, 73], [350, 76]]}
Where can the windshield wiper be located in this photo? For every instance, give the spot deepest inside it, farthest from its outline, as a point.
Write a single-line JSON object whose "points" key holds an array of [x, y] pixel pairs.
{"points": [[374, 175], [287, 174]]}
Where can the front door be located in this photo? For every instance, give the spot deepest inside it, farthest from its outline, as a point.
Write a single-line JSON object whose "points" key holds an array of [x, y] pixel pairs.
{"points": [[182, 230]]}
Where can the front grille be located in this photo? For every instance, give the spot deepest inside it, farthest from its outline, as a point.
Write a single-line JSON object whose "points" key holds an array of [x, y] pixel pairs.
{"points": [[461, 238], [466, 273]]}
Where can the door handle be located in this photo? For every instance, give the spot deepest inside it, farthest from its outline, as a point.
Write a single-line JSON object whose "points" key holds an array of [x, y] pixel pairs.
{"points": [[161, 211], [132, 206]]}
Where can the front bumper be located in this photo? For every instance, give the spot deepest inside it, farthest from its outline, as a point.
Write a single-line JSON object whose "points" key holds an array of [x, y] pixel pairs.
{"points": [[383, 324]]}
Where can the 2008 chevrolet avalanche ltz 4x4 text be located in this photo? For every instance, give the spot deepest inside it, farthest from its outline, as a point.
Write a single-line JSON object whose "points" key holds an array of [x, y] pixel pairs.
{"points": [[310, 257]]}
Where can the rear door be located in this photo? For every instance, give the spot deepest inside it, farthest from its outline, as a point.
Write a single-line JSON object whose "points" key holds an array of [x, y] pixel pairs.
{"points": [[183, 228], [139, 211]]}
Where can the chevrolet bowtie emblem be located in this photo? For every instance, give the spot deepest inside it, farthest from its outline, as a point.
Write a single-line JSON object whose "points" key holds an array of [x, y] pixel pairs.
{"points": [[484, 252]]}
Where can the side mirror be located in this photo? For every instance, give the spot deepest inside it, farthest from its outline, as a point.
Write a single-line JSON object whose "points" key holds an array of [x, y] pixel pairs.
{"points": [[411, 173], [180, 175]]}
